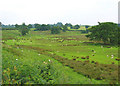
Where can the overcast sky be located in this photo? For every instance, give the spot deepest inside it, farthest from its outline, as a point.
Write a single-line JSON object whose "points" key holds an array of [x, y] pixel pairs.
{"points": [[85, 12]]}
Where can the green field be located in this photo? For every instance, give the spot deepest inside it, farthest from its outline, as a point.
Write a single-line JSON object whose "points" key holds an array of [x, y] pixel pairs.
{"points": [[65, 58]]}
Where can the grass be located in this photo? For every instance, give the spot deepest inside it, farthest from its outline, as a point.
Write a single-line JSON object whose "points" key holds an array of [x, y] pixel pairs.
{"points": [[27, 58]]}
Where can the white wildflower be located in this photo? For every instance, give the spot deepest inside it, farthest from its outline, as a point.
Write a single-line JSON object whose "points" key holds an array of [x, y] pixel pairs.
{"points": [[39, 54], [49, 60], [112, 55], [101, 46], [16, 59]]}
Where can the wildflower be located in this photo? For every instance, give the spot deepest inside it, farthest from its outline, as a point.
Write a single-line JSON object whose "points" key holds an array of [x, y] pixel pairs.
{"points": [[16, 59], [112, 55], [107, 55], [39, 54], [49, 60], [45, 62], [101, 46]]}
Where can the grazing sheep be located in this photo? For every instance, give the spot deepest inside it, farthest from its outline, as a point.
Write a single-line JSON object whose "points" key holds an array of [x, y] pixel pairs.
{"points": [[82, 57]]}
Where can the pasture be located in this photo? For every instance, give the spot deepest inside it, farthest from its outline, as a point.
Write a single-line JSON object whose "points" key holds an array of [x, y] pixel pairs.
{"points": [[65, 58]]}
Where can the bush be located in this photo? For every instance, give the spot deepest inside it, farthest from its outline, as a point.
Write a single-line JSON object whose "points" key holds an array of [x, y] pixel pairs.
{"points": [[55, 30], [23, 29]]}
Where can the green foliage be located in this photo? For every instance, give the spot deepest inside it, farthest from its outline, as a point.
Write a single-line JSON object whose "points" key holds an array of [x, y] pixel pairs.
{"points": [[84, 31], [77, 26], [86, 26], [23, 29], [9, 29], [69, 25], [65, 28], [106, 32], [29, 26], [42, 27], [55, 30]]}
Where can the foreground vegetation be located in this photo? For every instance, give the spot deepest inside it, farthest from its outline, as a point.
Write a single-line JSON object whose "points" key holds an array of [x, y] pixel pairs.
{"points": [[66, 58]]}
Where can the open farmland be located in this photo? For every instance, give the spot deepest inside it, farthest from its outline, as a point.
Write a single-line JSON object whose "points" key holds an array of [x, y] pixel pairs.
{"points": [[65, 58]]}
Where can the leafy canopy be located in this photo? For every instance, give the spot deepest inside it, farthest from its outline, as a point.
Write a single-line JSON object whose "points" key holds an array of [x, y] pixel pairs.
{"points": [[106, 32]]}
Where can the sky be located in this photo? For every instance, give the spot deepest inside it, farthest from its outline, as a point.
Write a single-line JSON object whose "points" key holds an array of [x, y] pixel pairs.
{"points": [[84, 12]]}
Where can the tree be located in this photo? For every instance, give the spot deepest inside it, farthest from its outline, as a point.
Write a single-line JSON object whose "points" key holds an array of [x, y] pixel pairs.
{"points": [[76, 26], [106, 32], [29, 26], [17, 26], [86, 26], [69, 25], [36, 25], [23, 29], [65, 28], [55, 30], [59, 24]]}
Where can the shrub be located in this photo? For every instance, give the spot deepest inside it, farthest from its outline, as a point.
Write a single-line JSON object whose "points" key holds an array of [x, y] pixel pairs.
{"points": [[55, 30]]}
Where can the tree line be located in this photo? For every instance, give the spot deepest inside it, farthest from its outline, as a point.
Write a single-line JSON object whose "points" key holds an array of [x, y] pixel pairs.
{"points": [[108, 32]]}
